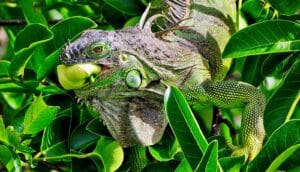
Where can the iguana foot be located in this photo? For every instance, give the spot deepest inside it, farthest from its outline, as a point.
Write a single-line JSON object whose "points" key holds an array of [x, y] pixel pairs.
{"points": [[249, 150]]}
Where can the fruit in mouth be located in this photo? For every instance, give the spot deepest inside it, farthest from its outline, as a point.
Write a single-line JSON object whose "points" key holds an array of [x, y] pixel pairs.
{"points": [[75, 76]]}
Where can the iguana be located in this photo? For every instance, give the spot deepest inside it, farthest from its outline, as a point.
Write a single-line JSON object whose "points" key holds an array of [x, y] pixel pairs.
{"points": [[133, 67]]}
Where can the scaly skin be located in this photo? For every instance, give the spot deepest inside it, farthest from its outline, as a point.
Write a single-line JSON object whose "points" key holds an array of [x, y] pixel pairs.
{"points": [[138, 65]]}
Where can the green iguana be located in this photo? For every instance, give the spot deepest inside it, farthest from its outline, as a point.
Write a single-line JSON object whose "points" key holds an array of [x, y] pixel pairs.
{"points": [[133, 67]]}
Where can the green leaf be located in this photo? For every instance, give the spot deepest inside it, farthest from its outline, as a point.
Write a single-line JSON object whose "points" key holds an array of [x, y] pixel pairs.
{"points": [[184, 126], [54, 137], [97, 127], [132, 22], [254, 75], [48, 64], [287, 7], [209, 161], [47, 58], [108, 153], [56, 150], [272, 61], [26, 42], [38, 116], [4, 66], [283, 157], [164, 152], [169, 166], [13, 87], [125, 6], [283, 101], [10, 159], [184, 166], [274, 36], [81, 138], [32, 13], [113, 16], [232, 164], [255, 10], [280, 145]]}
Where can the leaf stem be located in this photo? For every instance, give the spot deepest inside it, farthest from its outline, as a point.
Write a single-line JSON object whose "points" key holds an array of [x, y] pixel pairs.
{"points": [[79, 156], [293, 107]]}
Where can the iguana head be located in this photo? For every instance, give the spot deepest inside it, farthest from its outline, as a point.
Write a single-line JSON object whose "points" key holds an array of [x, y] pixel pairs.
{"points": [[136, 68]]}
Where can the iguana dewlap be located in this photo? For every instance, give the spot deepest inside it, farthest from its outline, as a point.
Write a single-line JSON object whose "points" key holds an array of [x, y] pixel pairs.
{"points": [[137, 66]]}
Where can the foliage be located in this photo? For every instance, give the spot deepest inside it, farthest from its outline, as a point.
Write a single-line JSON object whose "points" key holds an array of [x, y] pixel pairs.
{"points": [[43, 128]]}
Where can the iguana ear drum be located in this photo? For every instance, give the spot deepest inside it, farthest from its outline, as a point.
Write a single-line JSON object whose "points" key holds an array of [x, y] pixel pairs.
{"points": [[133, 79]]}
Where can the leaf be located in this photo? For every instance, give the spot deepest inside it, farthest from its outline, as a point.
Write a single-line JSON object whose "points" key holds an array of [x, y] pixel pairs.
{"points": [[255, 10], [254, 75], [287, 7], [63, 32], [55, 135], [125, 6], [132, 22], [4, 66], [38, 116], [161, 166], [81, 138], [48, 64], [272, 61], [108, 153], [10, 159], [164, 152], [26, 41], [267, 37], [184, 126], [283, 101], [32, 13], [113, 16], [283, 157], [97, 127], [278, 148], [56, 150], [184, 166], [210, 159], [11, 86], [232, 164]]}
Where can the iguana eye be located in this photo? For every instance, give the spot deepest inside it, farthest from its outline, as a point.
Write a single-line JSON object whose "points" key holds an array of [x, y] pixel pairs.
{"points": [[99, 49], [133, 79]]}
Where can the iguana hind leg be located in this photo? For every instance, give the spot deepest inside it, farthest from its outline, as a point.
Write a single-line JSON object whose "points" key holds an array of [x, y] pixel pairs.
{"points": [[232, 94]]}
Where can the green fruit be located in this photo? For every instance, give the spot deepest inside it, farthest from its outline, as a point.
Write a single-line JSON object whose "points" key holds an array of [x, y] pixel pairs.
{"points": [[74, 77]]}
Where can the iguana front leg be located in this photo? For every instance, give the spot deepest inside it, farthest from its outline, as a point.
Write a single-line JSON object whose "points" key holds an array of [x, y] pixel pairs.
{"points": [[232, 94]]}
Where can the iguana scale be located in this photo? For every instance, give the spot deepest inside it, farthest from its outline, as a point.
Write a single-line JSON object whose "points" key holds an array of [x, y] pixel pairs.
{"points": [[137, 65]]}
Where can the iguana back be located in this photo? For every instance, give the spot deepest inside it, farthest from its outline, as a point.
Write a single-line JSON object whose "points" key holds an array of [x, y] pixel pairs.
{"points": [[210, 23]]}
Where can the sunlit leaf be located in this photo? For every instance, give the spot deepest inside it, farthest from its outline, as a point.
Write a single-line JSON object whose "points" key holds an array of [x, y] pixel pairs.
{"points": [[32, 13], [38, 116], [267, 37], [108, 153], [4, 66], [210, 158], [27, 40], [280, 145], [10, 159], [185, 126], [48, 56]]}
